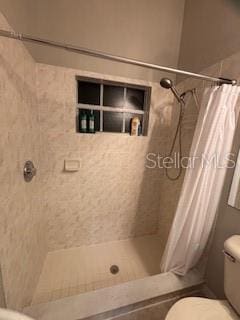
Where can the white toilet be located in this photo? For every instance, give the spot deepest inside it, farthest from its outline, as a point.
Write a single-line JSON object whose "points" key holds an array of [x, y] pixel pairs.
{"points": [[6, 314], [207, 309]]}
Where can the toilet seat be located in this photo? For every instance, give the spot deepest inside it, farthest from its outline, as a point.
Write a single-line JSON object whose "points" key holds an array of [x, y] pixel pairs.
{"points": [[201, 309]]}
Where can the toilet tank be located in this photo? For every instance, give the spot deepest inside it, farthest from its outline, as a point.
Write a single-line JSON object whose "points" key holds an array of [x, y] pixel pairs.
{"points": [[232, 271]]}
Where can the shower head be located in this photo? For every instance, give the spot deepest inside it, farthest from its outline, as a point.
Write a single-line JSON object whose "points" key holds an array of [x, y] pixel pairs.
{"points": [[168, 84]]}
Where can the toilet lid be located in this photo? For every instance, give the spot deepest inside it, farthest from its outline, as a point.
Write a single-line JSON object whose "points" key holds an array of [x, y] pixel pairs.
{"points": [[201, 309]]}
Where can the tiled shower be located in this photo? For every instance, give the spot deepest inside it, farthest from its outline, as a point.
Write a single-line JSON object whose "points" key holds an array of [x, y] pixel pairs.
{"points": [[112, 197], [66, 229], [95, 95]]}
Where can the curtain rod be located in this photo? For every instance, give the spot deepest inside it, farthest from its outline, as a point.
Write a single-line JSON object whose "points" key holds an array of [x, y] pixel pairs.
{"points": [[107, 56]]}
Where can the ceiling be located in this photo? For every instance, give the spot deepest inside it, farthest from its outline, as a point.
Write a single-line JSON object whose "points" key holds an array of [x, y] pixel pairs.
{"points": [[148, 30]]}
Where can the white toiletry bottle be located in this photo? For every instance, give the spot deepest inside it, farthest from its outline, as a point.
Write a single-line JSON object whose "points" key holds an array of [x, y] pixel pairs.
{"points": [[135, 122]]}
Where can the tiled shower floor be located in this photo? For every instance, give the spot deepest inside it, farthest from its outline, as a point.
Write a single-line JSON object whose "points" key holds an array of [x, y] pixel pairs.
{"points": [[72, 271]]}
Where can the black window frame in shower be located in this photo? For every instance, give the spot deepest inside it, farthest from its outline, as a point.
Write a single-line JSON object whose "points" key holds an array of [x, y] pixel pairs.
{"points": [[117, 98]]}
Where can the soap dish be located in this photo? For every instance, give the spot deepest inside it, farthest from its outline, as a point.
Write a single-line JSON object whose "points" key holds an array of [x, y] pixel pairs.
{"points": [[71, 165]]}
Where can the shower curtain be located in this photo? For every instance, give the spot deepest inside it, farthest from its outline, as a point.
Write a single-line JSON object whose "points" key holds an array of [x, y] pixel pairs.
{"points": [[204, 179]]}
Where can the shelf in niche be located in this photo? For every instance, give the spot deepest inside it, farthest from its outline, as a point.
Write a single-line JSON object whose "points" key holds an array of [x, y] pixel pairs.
{"points": [[113, 105]]}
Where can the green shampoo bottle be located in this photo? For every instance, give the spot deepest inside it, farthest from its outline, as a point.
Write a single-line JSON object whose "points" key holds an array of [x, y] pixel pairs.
{"points": [[91, 123], [83, 122]]}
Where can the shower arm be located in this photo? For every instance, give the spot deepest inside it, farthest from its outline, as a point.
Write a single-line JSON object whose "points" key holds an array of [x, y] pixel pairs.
{"points": [[107, 56]]}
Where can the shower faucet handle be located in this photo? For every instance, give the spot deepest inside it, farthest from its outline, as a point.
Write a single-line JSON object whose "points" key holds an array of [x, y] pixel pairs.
{"points": [[29, 171]]}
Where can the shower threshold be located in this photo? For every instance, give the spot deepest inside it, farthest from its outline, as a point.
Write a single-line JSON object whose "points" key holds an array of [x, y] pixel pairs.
{"points": [[119, 300]]}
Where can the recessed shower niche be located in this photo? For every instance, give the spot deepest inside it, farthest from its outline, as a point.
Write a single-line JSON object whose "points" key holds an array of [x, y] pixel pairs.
{"points": [[108, 106]]}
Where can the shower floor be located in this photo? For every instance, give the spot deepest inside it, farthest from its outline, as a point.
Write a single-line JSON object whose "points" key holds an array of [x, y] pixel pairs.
{"points": [[77, 270]]}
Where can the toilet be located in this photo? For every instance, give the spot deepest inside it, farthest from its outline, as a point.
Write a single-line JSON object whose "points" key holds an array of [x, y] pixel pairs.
{"points": [[208, 309]]}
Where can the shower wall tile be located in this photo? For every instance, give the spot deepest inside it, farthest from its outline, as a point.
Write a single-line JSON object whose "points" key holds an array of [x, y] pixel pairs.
{"points": [[214, 70], [230, 67], [113, 196], [22, 244]]}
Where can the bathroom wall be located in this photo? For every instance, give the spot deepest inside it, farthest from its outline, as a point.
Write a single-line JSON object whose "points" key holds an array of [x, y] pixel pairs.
{"points": [[210, 33], [22, 235], [149, 30], [113, 196], [17, 13], [2, 294]]}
